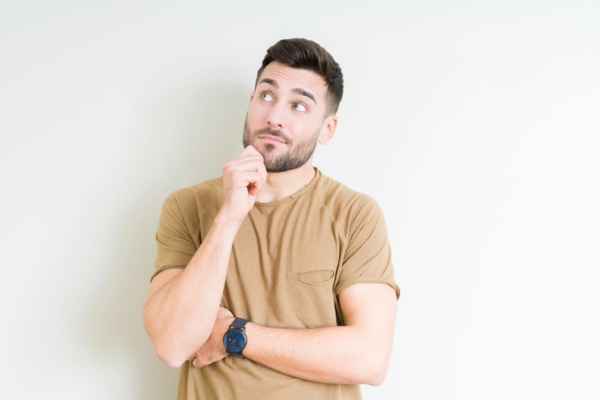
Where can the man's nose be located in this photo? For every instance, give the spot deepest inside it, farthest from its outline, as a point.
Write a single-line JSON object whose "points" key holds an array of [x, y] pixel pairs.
{"points": [[275, 118]]}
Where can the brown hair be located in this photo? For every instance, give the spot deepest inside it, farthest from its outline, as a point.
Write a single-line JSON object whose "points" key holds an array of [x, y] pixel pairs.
{"points": [[306, 54]]}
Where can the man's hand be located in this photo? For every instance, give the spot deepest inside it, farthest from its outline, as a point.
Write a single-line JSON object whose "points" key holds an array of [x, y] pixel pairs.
{"points": [[243, 178], [214, 350]]}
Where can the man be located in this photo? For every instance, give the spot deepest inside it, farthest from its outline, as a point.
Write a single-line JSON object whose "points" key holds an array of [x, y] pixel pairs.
{"points": [[274, 281]]}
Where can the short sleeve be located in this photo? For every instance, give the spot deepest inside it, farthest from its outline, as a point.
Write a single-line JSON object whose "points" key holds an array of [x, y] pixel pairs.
{"points": [[368, 255], [176, 238]]}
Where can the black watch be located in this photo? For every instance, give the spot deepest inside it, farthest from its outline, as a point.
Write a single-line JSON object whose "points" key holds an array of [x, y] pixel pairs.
{"points": [[235, 338]]}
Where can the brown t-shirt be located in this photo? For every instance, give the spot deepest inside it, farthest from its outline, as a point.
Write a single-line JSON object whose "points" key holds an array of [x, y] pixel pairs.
{"points": [[289, 262]]}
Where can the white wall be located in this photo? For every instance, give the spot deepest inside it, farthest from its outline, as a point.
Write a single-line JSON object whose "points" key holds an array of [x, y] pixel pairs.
{"points": [[474, 124]]}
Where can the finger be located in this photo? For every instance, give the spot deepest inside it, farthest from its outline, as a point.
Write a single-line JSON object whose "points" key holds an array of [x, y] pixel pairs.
{"points": [[252, 150], [196, 363], [224, 313], [249, 151], [255, 183], [250, 163], [261, 179], [246, 154], [242, 179]]}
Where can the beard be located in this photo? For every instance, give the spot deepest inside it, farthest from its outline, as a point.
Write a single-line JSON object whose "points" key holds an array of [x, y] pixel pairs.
{"points": [[296, 156]]}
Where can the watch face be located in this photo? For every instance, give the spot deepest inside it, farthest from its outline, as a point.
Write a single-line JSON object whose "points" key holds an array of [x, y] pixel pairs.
{"points": [[234, 341]]}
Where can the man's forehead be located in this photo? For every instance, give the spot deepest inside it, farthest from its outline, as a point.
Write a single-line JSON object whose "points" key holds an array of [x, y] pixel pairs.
{"points": [[279, 75]]}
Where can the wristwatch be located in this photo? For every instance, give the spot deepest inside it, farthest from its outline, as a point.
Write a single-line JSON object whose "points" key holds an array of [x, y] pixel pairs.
{"points": [[235, 338]]}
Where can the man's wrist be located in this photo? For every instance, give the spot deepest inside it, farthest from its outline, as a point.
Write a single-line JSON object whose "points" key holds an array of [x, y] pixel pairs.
{"points": [[225, 219], [255, 334], [225, 227]]}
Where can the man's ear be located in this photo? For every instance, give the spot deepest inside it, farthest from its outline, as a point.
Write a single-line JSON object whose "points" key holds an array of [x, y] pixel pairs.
{"points": [[251, 96], [328, 130]]}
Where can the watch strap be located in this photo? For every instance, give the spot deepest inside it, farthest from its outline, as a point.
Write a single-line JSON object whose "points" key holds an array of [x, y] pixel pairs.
{"points": [[239, 323]]}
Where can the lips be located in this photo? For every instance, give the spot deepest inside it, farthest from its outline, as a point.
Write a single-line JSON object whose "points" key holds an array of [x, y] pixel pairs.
{"points": [[271, 138], [271, 135]]}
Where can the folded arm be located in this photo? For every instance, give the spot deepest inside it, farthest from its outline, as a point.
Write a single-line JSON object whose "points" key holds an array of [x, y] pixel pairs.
{"points": [[181, 308], [183, 304], [358, 352]]}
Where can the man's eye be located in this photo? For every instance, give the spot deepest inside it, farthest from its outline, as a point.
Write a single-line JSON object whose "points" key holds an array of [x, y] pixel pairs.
{"points": [[298, 107], [266, 97]]}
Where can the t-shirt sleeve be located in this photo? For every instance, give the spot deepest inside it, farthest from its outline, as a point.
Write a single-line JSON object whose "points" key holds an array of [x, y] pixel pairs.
{"points": [[175, 236], [368, 255]]}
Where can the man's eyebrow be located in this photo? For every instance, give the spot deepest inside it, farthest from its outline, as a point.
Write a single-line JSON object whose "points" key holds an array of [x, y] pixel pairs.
{"points": [[305, 93], [270, 82], [301, 92]]}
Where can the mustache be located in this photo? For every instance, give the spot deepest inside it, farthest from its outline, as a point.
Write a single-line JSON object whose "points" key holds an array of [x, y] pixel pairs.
{"points": [[272, 132]]}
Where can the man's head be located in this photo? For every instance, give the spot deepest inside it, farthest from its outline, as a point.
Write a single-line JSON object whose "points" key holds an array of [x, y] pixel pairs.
{"points": [[297, 92], [306, 54]]}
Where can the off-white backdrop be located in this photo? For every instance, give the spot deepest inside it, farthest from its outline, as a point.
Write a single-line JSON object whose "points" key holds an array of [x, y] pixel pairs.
{"points": [[474, 124]]}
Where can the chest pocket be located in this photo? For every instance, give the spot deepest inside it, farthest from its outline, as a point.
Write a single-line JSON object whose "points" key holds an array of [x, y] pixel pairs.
{"points": [[312, 297], [312, 280]]}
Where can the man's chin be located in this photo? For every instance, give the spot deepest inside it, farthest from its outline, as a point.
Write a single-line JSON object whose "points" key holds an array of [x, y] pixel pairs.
{"points": [[282, 164], [274, 165], [267, 150]]}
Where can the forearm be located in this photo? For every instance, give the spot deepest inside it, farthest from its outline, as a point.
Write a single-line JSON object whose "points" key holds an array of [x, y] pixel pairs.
{"points": [[341, 355], [356, 353], [180, 316]]}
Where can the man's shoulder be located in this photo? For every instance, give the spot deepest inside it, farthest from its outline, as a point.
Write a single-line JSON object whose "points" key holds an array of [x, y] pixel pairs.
{"points": [[204, 194], [340, 198]]}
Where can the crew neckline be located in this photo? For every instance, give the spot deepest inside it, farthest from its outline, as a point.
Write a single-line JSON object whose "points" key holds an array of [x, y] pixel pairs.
{"points": [[296, 194]]}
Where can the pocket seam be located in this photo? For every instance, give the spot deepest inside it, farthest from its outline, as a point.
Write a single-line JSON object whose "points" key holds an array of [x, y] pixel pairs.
{"points": [[301, 276]]}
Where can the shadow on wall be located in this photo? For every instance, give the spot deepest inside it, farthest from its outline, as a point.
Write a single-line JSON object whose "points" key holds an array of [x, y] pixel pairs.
{"points": [[210, 134]]}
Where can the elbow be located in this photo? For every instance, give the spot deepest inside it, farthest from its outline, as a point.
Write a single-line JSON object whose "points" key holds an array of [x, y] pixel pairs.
{"points": [[164, 349], [169, 347], [168, 355], [375, 369], [375, 376], [173, 351]]}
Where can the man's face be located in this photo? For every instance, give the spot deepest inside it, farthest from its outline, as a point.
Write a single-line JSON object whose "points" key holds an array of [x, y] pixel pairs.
{"points": [[287, 117]]}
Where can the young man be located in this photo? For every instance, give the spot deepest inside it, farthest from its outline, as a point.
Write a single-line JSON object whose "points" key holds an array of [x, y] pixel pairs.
{"points": [[275, 281]]}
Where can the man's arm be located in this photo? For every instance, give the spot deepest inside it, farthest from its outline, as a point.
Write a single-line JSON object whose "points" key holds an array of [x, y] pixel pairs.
{"points": [[358, 352], [183, 304]]}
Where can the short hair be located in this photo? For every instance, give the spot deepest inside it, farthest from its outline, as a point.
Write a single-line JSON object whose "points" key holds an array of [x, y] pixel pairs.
{"points": [[306, 54]]}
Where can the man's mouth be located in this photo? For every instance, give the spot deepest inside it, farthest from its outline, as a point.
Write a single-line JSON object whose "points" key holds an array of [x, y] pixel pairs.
{"points": [[271, 135], [271, 138]]}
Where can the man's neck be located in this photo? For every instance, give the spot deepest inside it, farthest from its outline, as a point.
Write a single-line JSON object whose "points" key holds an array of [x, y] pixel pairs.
{"points": [[280, 185]]}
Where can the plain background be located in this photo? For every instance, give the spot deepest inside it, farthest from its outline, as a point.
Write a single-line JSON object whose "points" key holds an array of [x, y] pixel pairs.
{"points": [[474, 124]]}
